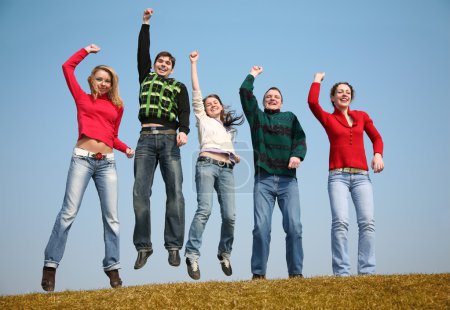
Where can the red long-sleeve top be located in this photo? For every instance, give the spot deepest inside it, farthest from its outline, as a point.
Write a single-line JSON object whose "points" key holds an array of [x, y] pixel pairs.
{"points": [[346, 142], [97, 118]]}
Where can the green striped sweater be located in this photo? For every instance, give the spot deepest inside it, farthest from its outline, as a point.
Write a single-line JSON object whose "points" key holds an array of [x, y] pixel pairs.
{"points": [[276, 137]]}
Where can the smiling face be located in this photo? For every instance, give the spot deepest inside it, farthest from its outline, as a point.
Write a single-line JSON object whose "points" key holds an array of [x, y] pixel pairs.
{"points": [[273, 100], [163, 66], [102, 81], [213, 107], [342, 96]]}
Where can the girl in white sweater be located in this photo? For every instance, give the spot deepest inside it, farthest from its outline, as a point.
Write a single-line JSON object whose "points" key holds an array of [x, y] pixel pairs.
{"points": [[214, 171]]}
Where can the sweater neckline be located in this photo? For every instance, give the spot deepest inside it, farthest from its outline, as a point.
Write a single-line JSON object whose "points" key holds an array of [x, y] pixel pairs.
{"points": [[268, 111]]}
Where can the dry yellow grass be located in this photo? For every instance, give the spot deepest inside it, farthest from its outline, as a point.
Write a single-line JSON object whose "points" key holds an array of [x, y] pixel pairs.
{"points": [[417, 291]]}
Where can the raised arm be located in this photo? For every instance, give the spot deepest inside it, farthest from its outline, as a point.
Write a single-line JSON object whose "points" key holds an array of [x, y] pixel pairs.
{"points": [[143, 55], [70, 65], [313, 99], [193, 57], [248, 99], [197, 100]]}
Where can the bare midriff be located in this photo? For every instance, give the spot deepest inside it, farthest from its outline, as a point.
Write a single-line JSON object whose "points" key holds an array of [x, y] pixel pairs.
{"points": [[152, 125], [93, 145], [217, 156]]}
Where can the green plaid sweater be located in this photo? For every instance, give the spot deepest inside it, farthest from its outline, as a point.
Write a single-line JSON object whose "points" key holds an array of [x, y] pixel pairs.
{"points": [[276, 137], [162, 100]]}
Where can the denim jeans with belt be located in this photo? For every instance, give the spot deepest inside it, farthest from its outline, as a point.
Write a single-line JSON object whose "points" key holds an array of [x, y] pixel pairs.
{"points": [[151, 150], [210, 177], [340, 184], [267, 189], [103, 172]]}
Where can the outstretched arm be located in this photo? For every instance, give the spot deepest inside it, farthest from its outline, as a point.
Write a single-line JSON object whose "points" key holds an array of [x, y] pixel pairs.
{"points": [[143, 54], [193, 57], [70, 65], [197, 102], [313, 99], [248, 100]]}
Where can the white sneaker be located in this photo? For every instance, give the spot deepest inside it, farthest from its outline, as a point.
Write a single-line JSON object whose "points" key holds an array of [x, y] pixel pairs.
{"points": [[193, 268], [225, 263]]}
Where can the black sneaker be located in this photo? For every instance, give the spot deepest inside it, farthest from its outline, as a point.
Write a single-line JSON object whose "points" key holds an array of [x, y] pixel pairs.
{"points": [[193, 268], [142, 257], [297, 275], [226, 265], [174, 258], [258, 276]]}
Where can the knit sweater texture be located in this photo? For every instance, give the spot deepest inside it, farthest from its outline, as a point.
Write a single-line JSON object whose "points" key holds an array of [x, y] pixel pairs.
{"points": [[97, 118], [163, 101], [346, 142], [276, 137]]}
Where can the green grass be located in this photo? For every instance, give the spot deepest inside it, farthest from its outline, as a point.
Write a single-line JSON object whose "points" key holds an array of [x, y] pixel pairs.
{"points": [[416, 291]]}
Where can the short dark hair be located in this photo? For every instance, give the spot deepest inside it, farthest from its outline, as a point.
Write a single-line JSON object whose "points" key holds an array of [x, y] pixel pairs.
{"points": [[273, 88], [166, 54], [335, 86]]}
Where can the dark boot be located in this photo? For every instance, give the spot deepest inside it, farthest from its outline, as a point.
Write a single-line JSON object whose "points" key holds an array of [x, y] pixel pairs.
{"points": [[48, 279], [114, 278]]}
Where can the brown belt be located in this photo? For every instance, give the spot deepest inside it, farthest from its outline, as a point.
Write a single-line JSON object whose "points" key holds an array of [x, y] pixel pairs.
{"points": [[349, 170]]}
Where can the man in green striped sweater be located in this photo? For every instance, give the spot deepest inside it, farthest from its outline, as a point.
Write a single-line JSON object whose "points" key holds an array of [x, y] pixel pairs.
{"points": [[279, 146]]}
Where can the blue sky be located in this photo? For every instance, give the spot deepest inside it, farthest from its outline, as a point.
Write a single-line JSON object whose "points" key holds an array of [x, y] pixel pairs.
{"points": [[395, 54]]}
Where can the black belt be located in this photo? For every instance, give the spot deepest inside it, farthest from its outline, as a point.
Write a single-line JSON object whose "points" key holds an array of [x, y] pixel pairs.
{"points": [[216, 162], [158, 131]]}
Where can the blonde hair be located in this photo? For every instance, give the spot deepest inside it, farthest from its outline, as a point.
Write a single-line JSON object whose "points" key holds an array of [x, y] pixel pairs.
{"points": [[113, 93]]}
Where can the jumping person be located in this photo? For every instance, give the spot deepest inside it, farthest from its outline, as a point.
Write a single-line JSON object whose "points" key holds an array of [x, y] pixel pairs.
{"points": [[213, 171], [164, 108], [99, 115], [348, 173], [279, 146]]}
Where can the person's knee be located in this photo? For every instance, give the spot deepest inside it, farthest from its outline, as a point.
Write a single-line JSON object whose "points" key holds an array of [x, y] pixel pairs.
{"points": [[339, 224], [229, 220], [367, 225]]}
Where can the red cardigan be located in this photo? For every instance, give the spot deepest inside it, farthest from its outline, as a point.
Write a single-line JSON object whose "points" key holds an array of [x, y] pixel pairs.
{"points": [[346, 142], [97, 119]]}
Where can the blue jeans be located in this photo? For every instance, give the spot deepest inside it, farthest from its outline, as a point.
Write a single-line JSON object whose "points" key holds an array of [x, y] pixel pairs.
{"points": [[267, 189], [81, 170], [151, 150], [210, 177], [360, 188]]}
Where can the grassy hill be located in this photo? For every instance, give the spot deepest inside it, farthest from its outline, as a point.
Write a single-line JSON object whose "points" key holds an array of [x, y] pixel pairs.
{"points": [[417, 291]]}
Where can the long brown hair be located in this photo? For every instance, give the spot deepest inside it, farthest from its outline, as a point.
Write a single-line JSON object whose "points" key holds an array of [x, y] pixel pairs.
{"points": [[113, 93], [228, 117]]}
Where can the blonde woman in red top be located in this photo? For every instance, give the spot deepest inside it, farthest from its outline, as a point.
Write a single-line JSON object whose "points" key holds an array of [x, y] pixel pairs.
{"points": [[99, 114], [348, 173]]}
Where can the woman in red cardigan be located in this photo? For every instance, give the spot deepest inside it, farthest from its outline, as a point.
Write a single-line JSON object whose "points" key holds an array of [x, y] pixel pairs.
{"points": [[99, 114], [348, 172]]}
